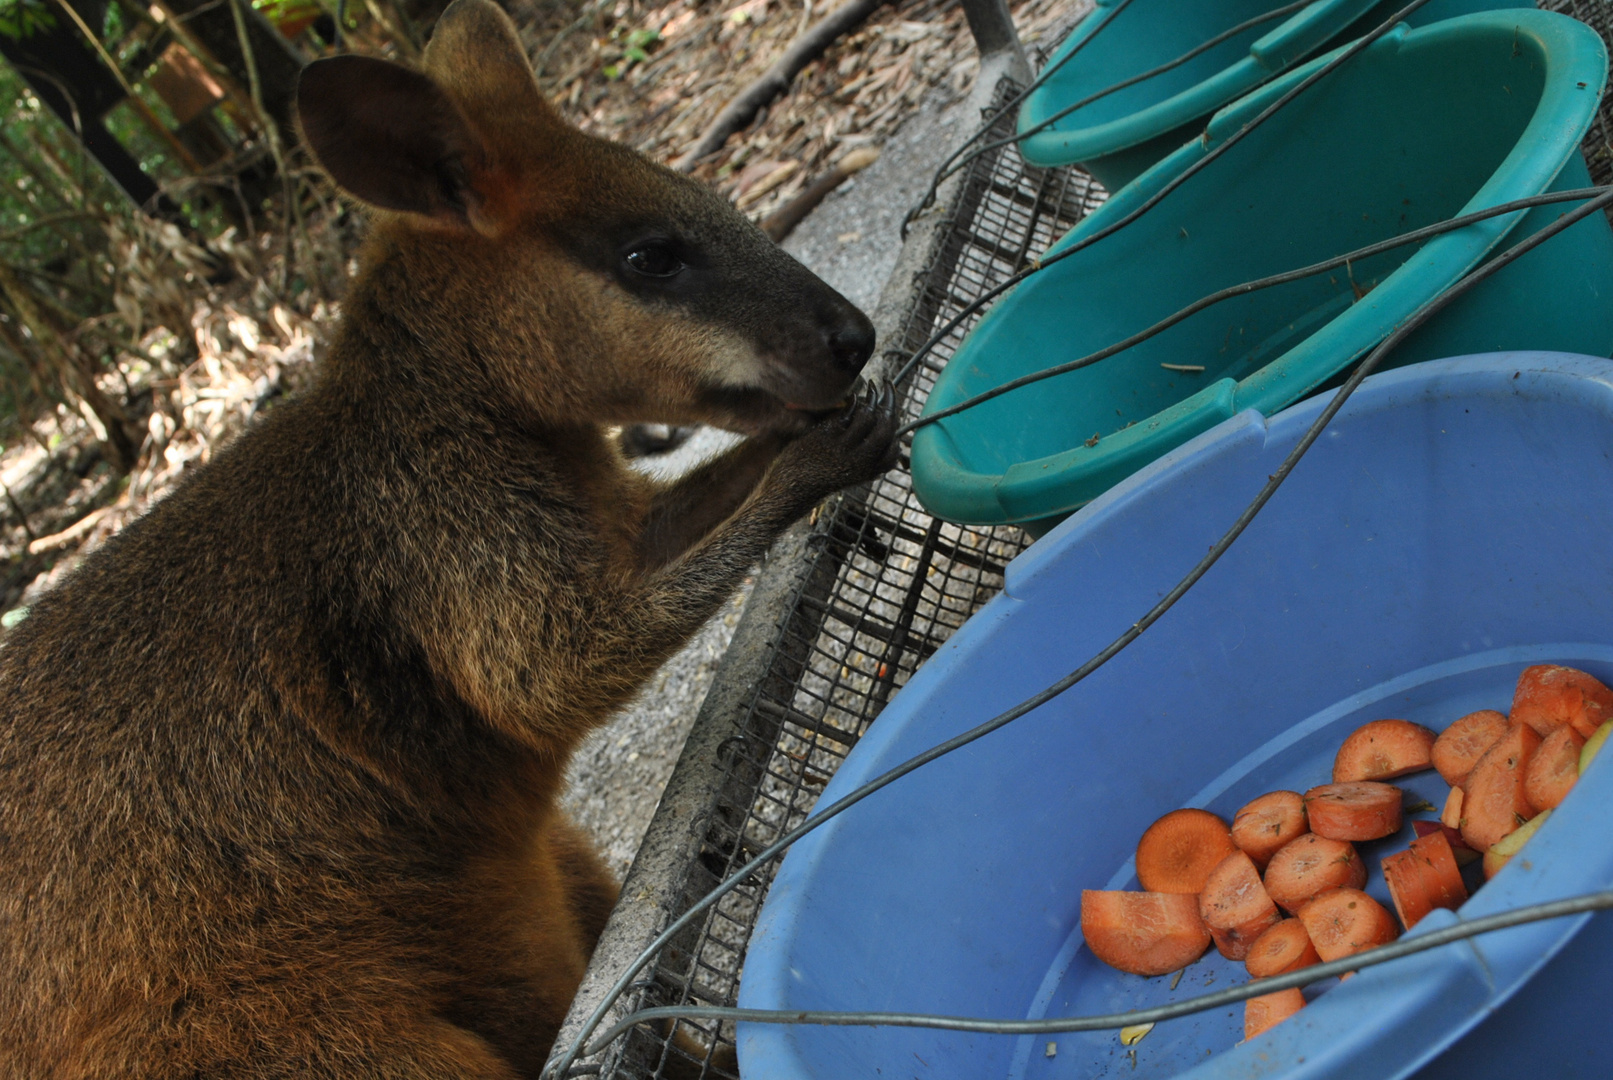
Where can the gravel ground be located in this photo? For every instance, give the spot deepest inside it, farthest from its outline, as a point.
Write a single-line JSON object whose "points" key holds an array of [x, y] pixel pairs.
{"points": [[851, 241]]}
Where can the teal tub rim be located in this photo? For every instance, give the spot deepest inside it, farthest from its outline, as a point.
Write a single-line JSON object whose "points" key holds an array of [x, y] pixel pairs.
{"points": [[1039, 491], [1289, 41]]}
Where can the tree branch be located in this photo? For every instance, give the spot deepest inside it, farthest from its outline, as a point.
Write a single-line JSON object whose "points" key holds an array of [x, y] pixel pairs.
{"points": [[773, 82]]}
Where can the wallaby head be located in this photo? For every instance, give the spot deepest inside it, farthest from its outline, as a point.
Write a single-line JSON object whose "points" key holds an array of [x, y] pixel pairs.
{"points": [[590, 283]]}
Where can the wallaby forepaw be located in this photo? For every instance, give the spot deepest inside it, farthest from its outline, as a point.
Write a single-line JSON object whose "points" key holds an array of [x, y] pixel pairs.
{"points": [[848, 447]]}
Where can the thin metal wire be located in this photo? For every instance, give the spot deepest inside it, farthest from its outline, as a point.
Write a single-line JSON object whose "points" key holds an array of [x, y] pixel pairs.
{"points": [[1181, 178], [951, 165], [1231, 291], [1383, 954], [1014, 102], [1275, 481]]}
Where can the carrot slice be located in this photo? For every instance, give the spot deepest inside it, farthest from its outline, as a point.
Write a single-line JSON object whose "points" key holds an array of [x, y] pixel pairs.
{"points": [[1451, 816], [1179, 850], [1235, 906], [1424, 877], [1283, 948], [1404, 877], [1459, 848], [1549, 696], [1460, 746], [1262, 827], [1364, 810], [1342, 922], [1383, 750], [1309, 865], [1268, 1010], [1144, 933], [1495, 802], [1554, 768]]}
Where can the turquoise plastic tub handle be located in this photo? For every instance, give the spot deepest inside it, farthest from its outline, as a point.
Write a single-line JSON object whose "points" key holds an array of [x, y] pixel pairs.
{"points": [[1298, 36]]}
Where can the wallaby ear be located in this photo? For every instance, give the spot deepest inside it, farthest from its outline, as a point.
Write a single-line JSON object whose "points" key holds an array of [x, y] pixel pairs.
{"points": [[391, 137]]}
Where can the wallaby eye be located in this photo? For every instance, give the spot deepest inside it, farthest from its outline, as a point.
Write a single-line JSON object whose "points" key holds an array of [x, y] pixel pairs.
{"points": [[654, 259]]}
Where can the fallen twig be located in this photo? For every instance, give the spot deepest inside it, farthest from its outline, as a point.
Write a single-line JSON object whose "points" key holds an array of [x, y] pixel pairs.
{"points": [[780, 222], [776, 79]]}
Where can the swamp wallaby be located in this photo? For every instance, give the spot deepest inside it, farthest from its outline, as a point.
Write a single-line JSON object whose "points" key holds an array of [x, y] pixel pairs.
{"points": [[278, 764]]}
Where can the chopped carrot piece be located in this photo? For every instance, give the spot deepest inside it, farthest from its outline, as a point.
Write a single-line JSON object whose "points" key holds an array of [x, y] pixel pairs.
{"points": [[1309, 865], [1262, 827], [1179, 850], [1451, 816], [1554, 768], [1453, 837], [1342, 922], [1382, 750], [1268, 1010], [1495, 802], [1460, 746], [1549, 696], [1283, 948], [1510, 844], [1235, 906], [1424, 877], [1364, 810], [1144, 933]]}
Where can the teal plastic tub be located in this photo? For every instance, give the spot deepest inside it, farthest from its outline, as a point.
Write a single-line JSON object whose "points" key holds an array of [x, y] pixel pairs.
{"points": [[1119, 136], [1423, 125]]}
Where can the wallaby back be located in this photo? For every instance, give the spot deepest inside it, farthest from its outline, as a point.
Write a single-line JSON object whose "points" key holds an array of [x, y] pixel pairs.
{"points": [[278, 764]]}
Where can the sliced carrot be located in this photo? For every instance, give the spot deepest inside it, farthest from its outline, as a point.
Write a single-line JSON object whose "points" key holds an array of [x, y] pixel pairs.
{"points": [[1382, 750], [1554, 768], [1424, 877], [1342, 922], [1179, 850], [1144, 933], [1549, 696], [1364, 810], [1235, 906], [1459, 848], [1451, 816], [1283, 948], [1262, 827], [1460, 746], [1405, 880], [1495, 802], [1309, 865], [1438, 856], [1510, 844], [1268, 1010]]}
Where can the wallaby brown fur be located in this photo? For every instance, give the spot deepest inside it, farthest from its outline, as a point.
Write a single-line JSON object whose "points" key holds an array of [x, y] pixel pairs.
{"points": [[279, 763]]}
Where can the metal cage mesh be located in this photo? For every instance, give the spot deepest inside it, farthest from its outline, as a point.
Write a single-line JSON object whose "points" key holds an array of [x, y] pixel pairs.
{"points": [[886, 585]]}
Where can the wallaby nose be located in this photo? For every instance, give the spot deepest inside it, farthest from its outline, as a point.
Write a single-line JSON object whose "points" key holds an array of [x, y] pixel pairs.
{"points": [[852, 343]]}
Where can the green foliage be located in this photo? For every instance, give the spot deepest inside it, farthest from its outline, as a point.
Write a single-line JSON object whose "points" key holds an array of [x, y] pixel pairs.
{"points": [[635, 46], [23, 18]]}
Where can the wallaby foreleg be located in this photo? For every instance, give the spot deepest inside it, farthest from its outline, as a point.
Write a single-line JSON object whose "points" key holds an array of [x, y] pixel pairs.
{"points": [[688, 509]]}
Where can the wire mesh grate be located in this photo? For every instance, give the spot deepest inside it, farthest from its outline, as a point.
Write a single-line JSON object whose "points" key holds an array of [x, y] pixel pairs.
{"points": [[885, 586]]}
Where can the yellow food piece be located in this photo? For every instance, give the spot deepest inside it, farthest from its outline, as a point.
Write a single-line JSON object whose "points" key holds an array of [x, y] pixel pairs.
{"points": [[1592, 745], [1131, 1036]]}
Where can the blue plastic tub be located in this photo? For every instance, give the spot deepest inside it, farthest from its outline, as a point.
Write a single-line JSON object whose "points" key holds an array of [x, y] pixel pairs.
{"points": [[1450, 528], [1420, 127], [1118, 136]]}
